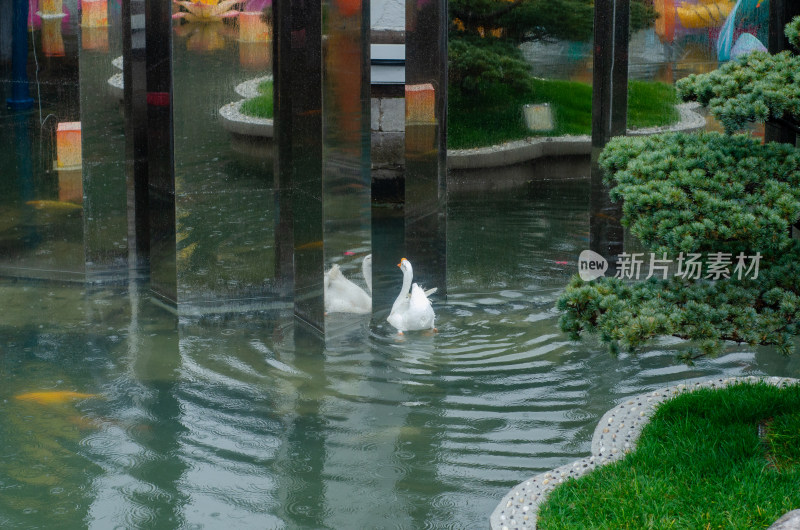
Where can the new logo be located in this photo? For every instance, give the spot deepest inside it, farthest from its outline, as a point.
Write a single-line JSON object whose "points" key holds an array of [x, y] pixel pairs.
{"points": [[591, 265]]}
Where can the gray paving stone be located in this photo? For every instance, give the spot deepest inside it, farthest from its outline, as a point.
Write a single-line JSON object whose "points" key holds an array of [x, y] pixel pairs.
{"points": [[789, 521]]}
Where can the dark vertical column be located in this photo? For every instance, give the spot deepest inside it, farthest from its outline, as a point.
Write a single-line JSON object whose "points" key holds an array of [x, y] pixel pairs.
{"points": [[282, 112], [135, 107], [609, 118], [160, 166], [20, 96], [102, 181], [780, 13], [426, 142], [19, 101], [298, 126], [346, 171]]}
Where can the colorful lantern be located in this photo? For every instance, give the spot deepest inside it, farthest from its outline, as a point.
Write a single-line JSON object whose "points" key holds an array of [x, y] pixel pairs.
{"points": [[420, 103], [68, 144], [252, 28], [94, 13]]}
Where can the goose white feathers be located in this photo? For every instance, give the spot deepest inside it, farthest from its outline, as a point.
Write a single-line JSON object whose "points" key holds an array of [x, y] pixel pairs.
{"points": [[343, 296], [366, 270], [411, 310]]}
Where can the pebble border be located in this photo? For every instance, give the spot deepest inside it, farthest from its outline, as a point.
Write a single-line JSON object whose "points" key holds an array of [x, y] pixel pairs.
{"points": [[614, 436], [249, 89], [520, 151], [233, 120]]}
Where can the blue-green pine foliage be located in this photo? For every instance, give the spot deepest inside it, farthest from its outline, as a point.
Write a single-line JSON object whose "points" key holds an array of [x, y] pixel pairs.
{"points": [[707, 193]]}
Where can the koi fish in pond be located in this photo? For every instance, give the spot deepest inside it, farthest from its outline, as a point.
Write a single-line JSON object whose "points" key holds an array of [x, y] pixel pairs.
{"points": [[55, 206], [313, 245], [53, 397]]}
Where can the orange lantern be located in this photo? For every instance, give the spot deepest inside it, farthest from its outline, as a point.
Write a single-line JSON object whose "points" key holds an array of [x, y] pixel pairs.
{"points": [[52, 40], [252, 28], [420, 103], [94, 13], [665, 23], [68, 144], [94, 39], [348, 8], [50, 7]]}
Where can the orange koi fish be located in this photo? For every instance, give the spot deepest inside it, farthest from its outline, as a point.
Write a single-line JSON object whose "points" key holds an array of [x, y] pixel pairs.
{"points": [[53, 397]]}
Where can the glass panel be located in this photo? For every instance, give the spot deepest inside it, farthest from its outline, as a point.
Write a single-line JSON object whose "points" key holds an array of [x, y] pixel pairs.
{"points": [[224, 192], [298, 111], [426, 142], [346, 157], [41, 202], [105, 204]]}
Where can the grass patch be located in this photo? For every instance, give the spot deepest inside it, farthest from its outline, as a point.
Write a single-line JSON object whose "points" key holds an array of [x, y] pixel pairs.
{"points": [[699, 463], [495, 116], [260, 106]]}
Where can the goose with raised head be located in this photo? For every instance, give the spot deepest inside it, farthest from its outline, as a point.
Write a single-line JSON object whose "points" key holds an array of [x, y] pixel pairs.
{"points": [[411, 310], [343, 296], [366, 270]]}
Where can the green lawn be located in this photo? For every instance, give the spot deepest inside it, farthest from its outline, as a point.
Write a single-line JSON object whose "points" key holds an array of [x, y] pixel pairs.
{"points": [[700, 463], [494, 118], [497, 117], [261, 105]]}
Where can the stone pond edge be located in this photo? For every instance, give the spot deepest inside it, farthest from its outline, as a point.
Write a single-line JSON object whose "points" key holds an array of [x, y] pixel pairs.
{"points": [[500, 155], [615, 435], [520, 151]]}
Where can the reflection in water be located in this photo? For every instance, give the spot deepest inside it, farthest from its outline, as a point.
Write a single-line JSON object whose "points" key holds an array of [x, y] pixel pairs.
{"points": [[242, 420], [346, 167]]}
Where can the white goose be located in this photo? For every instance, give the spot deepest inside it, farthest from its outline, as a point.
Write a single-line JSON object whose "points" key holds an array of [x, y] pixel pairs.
{"points": [[366, 270], [343, 296], [411, 311]]}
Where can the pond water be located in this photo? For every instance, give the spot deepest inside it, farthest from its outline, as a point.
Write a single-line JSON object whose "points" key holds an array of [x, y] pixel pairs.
{"points": [[236, 420], [116, 412]]}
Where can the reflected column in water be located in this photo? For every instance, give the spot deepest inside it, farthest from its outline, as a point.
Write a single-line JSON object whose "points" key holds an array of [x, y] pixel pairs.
{"points": [[298, 132], [346, 137], [156, 362], [426, 143], [302, 495], [135, 108], [103, 151], [161, 177], [609, 119]]}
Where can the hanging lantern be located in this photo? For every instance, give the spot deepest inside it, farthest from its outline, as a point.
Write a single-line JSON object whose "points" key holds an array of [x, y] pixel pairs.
{"points": [[252, 28], [68, 144], [420, 103], [52, 40], [94, 13], [50, 7]]}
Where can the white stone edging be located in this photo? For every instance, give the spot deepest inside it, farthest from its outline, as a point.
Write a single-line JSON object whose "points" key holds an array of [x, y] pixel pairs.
{"points": [[519, 151], [249, 89], [233, 120], [615, 436]]}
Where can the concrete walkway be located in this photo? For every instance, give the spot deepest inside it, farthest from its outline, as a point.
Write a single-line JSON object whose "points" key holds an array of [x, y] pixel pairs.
{"points": [[614, 436]]}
